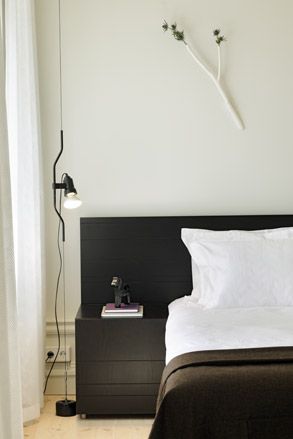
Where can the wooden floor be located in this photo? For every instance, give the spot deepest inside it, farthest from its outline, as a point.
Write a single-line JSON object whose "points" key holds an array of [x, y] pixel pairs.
{"points": [[50, 426]]}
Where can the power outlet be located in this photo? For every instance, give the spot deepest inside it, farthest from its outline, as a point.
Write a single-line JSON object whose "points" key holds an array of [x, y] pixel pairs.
{"points": [[62, 356]]}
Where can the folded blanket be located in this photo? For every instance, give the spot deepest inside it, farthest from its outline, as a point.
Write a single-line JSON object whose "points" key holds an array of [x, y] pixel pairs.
{"points": [[227, 394]]}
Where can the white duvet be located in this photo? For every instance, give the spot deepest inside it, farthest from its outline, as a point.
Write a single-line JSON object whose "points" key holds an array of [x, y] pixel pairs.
{"points": [[192, 328]]}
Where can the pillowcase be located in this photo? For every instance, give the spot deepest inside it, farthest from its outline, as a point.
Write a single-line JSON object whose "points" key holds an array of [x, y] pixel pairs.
{"points": [[241, 268]]}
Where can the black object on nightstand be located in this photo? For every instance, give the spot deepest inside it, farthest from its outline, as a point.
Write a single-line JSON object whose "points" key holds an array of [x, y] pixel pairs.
{"points": [[119, 362]]}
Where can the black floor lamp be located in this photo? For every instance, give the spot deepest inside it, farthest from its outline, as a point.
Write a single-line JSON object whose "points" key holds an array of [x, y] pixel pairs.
{"points": [[64, 407]]}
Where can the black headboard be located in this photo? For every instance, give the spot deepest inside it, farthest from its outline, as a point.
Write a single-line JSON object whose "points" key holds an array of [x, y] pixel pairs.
{"points": [[148, 253]]}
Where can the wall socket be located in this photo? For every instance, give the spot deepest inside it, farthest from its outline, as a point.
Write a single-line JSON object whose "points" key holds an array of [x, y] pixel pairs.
{"points": [[61, 356]]}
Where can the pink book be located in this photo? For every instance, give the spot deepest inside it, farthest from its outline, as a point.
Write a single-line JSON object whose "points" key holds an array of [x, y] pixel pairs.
{"points": [[132, 307]]}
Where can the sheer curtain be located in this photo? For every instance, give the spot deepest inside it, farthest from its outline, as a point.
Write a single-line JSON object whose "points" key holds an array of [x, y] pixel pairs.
{"points": [[27, 202], [10, 394]]}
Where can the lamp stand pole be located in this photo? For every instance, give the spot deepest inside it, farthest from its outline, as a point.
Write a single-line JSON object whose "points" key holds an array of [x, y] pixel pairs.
{"points": [[64, 407], [56, 185]]}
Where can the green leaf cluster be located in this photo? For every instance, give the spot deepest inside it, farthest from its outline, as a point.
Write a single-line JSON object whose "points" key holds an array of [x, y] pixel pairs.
{"points": [[219, 38], [178, 35]]}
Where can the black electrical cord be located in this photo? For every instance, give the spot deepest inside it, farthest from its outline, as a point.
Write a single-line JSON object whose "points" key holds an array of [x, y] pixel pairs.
{"points": [[56, 296]]}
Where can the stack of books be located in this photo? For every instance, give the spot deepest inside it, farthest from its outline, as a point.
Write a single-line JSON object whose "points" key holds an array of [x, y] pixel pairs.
{"points": [[132, 310]]}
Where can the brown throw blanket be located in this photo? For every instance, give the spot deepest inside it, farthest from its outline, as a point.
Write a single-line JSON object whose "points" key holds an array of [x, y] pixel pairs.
{"points": [[227, 394]]}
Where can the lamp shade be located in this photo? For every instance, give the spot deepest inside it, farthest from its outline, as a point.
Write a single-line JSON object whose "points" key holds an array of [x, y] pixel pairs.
{"points": [[69, 185], [72, 201]]}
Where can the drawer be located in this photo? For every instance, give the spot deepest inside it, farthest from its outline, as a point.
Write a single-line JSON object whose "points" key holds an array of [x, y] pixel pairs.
{"points": [[117, 390], [119, 405], [119, 372], [120, 339]]}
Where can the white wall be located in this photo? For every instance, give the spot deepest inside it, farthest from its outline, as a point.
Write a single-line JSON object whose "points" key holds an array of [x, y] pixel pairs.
{"points": [[145, 130]]}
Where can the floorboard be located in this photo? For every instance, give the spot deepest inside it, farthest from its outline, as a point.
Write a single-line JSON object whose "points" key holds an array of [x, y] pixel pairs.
{"points": [[50, 426]]}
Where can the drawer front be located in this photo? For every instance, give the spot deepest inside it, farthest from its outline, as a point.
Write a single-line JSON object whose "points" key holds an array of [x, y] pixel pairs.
{"points": [[111, 405], [123, 372], [120, 339], [117, 390]]}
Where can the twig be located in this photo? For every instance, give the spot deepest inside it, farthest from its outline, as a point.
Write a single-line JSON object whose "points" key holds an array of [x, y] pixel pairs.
{"points": [[219, 63]]}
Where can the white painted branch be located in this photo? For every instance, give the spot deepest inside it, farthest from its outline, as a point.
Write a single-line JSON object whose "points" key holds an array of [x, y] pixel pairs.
{"points": [[219, 62], [216, 80], [201, 63], [235, 116]]}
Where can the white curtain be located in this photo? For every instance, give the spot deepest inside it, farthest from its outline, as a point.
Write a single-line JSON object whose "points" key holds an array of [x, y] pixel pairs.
{"points": [[10, 385], [27, 193]]}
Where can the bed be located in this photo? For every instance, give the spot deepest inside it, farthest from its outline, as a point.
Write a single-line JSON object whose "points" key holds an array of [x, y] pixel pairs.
{"points": [[218, 383], [229, 359]]}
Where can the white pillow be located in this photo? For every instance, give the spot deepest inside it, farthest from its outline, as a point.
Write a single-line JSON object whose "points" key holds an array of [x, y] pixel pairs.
{"points": [[241, 268], [190, 235]]}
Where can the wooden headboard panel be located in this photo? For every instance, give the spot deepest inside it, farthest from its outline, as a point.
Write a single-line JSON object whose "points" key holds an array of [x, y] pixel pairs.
{"points": [[148, 253]]}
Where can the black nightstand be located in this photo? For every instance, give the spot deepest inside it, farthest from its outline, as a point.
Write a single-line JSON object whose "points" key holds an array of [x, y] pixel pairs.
{"points": [[119, 361]]}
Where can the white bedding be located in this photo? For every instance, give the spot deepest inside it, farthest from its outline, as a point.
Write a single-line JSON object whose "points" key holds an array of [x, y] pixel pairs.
{"points": [[192, 328]]}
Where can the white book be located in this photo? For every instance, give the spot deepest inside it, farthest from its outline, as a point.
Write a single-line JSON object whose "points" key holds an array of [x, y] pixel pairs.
{"points": [[116, 315]]}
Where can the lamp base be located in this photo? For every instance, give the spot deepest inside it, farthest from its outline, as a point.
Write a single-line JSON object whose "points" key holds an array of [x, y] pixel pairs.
{"points": [[66, 407]]}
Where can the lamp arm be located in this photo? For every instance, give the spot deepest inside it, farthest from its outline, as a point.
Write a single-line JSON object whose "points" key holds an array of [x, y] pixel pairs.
{"points": [[58, 186]]}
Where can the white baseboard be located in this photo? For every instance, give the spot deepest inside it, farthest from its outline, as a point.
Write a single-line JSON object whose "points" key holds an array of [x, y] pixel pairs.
{"points": [[52, 331]]}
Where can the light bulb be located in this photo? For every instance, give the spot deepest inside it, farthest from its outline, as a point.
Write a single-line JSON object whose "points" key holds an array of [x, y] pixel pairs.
{"points": [[72, 201]]}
